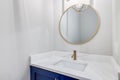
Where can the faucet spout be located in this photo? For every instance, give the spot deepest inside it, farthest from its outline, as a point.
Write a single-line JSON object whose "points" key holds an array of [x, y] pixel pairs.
{"points": [[74, 56]]}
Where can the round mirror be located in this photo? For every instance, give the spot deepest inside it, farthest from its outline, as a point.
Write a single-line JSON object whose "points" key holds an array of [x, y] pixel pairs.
{"points": [[79, 24]]}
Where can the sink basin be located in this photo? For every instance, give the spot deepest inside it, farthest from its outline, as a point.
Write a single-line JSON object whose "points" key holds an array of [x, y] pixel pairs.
{"points": [[71, 65]]}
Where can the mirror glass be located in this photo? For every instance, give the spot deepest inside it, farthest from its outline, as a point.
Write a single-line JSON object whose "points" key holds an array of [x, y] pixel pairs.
{"points": [[79, 24]]}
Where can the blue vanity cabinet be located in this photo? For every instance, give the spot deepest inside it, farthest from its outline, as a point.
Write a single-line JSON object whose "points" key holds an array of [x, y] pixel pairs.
{"points": [[41, 74]]}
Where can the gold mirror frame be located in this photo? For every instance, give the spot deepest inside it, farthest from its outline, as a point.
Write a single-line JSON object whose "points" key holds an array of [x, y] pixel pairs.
{"points": [[98, 26]]}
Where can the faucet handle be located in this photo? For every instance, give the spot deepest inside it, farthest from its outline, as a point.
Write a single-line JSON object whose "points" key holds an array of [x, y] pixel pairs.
{"points": [[74, 51]]}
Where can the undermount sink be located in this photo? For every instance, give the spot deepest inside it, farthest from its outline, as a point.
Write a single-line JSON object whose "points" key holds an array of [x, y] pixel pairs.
{"points": [[71, 65]]}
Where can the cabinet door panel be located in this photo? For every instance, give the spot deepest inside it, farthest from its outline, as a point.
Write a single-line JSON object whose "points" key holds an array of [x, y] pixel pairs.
{"points": [[43, 77], [67, 78]]}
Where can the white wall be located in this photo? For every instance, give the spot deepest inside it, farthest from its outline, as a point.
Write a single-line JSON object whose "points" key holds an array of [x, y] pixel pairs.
{"points": [[116, 30], [26, 33], [8, 50], [102, 43]]}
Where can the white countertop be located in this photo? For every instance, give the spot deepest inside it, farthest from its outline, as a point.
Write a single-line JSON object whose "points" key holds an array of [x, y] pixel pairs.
{"points": [[99, 67]]}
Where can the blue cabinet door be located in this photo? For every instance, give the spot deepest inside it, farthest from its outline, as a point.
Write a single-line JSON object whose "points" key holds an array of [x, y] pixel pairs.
{"points": [[43, 77], [41, 74]]}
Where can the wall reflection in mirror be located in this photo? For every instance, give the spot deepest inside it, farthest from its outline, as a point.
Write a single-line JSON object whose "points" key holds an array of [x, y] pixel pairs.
{"points": [[79, 24]]}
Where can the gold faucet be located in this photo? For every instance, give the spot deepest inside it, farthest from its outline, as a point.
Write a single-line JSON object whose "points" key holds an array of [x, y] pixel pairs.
{"points": [[74, 56]]}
